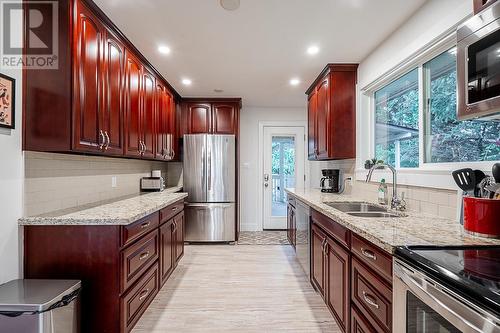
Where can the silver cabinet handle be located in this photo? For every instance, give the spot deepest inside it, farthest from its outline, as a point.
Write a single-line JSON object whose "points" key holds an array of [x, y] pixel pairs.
{"points": [[102, 139], [145, 225], [172, 152], [108, 141], [144, 255], [369, 254], [370, 300], [144, 294]]}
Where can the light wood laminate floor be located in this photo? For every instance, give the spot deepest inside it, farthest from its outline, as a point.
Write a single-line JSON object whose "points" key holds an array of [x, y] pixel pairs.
{"points": [[247, 288]]}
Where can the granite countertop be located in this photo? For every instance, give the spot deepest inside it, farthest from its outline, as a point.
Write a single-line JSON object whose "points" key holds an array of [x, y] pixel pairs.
{"points": [[388, 233], [120, 211]]}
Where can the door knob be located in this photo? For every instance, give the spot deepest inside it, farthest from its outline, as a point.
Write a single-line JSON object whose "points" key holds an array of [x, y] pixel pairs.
{"points": [[266, 177], [266, 184]]}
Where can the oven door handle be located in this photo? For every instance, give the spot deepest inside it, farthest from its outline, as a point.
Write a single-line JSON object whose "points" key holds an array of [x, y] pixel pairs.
{"points": [[428, 290]]}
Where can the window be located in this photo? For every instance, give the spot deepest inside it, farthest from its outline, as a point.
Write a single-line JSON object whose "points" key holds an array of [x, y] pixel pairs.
{"points": [[396, 122], [446, 138]]}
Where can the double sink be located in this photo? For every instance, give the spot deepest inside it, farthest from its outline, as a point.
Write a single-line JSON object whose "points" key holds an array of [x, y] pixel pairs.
{"points": [[362, 209]]}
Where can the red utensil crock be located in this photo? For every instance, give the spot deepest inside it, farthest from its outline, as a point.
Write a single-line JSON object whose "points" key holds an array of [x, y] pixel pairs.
{"points": [[482, 217]]}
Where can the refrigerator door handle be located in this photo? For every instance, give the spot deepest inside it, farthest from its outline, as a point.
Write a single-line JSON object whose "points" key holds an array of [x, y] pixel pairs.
{"points": [[209, 165], [218, 205]]}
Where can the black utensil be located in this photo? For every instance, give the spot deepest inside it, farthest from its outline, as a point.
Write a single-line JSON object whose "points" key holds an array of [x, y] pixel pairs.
{"points": [[479, 175], [495, 170], [465, 179]]}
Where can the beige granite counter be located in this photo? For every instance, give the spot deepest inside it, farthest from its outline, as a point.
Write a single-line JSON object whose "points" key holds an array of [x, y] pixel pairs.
{"points": [[388, 233], [120, 211]]}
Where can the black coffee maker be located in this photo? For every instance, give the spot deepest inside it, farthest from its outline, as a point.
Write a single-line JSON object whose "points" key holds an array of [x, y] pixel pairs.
{"points": [[330, 181]]}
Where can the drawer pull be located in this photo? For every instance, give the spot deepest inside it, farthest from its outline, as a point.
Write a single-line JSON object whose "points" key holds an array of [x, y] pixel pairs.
{"points": [[370, 300], [144, 294], [369, 254], [145, 225], [144, 255], [174, 209]]}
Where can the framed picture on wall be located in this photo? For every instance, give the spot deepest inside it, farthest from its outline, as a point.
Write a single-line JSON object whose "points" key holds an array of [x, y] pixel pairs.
{"points": [[7, 101]]}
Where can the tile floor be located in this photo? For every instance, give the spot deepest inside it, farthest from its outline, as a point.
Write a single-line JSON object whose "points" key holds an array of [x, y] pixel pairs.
{"points": [[234, 288]]}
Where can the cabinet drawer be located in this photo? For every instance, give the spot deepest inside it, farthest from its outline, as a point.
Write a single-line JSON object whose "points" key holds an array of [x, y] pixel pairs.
{"points": [[372, 296], [376, 258], [135, 302], [337, 231], [135, 230], [170, 211], [136, 258], [359, 324]]}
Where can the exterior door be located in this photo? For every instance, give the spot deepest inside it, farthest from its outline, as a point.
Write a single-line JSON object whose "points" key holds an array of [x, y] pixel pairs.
{"points": [[199, 118], [224, 118], [166, 250], [133, 75], [322, 119], [284, 162], [337, 293], [317, 259], [148, 111], [114, 60], [88, 75]]}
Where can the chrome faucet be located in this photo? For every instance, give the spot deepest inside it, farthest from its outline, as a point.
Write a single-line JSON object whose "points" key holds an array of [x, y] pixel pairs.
{"points": [[396, 202]]}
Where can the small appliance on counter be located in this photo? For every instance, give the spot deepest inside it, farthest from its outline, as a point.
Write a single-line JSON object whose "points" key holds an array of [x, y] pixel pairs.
{"points": [[330, 181], [155, 183], [446, 289]]}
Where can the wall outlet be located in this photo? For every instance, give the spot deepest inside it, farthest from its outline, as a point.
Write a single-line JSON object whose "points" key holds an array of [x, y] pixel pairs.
{"points": [[113, 181]]}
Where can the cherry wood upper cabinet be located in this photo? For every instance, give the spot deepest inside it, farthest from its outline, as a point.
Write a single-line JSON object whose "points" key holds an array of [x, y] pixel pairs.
{"points": [[133, 75], [224, 118], [102, 97], [199, 118], [332, 113], [147, 114], [213, 116], [165, 123], [113, 102], [88, 73]]}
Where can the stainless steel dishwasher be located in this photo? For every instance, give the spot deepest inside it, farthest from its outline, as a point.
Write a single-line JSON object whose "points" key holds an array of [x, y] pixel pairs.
{"points": [[303, 236]]}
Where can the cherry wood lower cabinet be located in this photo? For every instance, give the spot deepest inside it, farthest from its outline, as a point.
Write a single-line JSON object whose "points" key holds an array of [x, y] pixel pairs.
{"points": [[353, 276], [291, 222], [122, 268]]}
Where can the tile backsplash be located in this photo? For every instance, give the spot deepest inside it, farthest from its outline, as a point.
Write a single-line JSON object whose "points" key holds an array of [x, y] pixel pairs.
{"points": [[437, 202], [59, 181]]}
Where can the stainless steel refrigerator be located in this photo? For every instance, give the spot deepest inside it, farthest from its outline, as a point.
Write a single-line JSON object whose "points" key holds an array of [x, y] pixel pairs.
{"points": [[210, 181]]}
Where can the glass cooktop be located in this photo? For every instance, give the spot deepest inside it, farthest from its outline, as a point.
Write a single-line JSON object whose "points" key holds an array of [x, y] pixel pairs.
{"points": [[473, 272]]}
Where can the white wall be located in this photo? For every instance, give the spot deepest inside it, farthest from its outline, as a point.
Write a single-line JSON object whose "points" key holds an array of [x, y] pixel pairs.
{"points": [[11, 189], [250, 178]]}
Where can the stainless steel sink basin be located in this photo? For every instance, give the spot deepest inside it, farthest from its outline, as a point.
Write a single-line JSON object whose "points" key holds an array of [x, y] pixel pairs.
{"points": [[373, 214], [347, 207]]}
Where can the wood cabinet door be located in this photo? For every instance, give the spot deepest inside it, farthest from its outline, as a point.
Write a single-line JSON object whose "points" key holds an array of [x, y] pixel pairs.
{"points": [[133, 73], [88, 38], [359, 324], [179, 236], [148, 112], [317, 259], [311, 125], [337, 272], [114, 66], [162, 121], [224, 118], [323, 118], [166, 250], [289, 223], [199, 118]]}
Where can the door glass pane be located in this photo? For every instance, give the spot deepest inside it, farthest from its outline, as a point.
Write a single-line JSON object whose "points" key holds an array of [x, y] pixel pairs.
{"points": [[283, 172], [423, 319], [446, 138], [396, 122]]}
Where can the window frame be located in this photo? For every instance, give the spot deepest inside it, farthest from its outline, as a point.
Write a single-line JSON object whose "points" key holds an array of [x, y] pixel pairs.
{"points": [[428, 174]]}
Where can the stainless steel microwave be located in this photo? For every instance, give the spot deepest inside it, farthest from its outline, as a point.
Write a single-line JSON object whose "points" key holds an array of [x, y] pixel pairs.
{"points": [[478, 66]]}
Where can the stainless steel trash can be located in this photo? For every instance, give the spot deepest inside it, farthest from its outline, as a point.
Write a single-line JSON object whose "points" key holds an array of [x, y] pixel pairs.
{"points": [[40, 306]]}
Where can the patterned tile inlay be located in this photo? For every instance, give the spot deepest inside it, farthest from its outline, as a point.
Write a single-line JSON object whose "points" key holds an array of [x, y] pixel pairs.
{"points": [[263, 238]]}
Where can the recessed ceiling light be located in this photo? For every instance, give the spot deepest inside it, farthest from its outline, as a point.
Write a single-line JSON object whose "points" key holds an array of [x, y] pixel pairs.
{"points": [[186, 82], [312, 50], [294, 81], [230, 4], [163, 49]]}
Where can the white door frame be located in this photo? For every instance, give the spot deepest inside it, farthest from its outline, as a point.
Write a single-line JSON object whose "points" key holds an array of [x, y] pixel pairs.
{"points": [[260, 171]]}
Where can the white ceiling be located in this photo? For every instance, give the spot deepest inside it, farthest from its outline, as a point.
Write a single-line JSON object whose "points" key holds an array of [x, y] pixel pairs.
{"points": [[254, 51]]}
